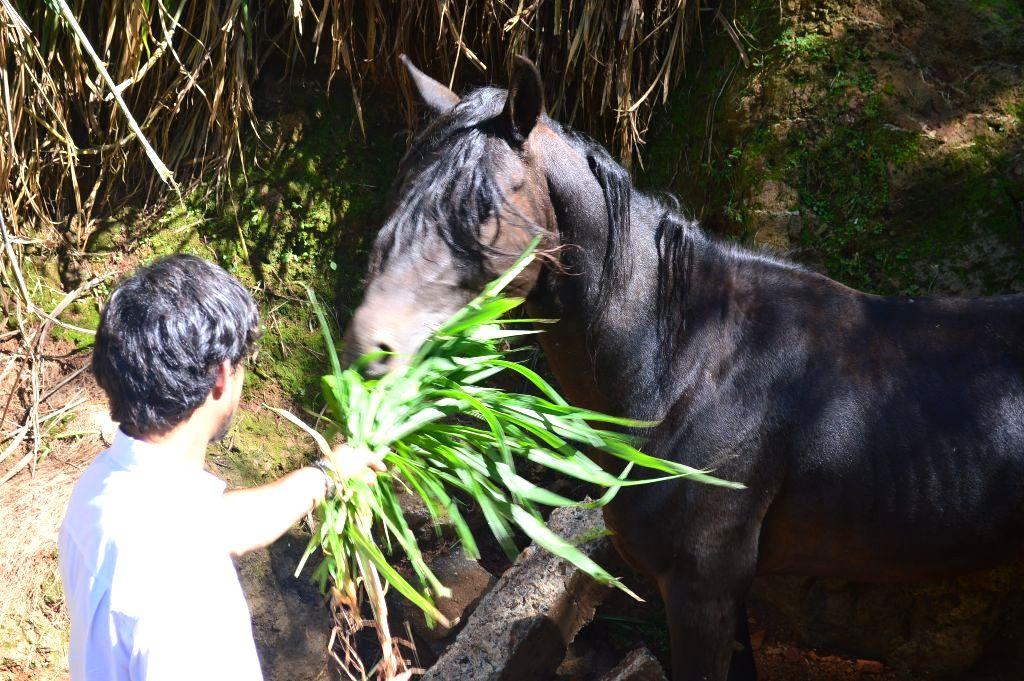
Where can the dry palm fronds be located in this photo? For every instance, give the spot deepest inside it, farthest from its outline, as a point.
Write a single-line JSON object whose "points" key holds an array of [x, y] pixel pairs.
{"points": [[185, 70], [102, 100], [606, 62], [71, 148]]}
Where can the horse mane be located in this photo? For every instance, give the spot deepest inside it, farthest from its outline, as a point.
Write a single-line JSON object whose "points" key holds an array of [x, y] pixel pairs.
{"points": [[677, 239], [447, 182]]}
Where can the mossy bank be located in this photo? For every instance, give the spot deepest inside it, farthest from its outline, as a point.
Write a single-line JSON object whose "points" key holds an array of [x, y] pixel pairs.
{"points": [[302, 212], [881, 141]]}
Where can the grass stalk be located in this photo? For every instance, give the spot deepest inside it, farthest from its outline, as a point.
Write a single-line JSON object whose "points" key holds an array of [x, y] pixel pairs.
{"points": [[162, 171], [407, 419]]}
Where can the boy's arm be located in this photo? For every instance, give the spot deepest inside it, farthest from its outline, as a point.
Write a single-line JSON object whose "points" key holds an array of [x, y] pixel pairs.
{"points": [[256, 517]]}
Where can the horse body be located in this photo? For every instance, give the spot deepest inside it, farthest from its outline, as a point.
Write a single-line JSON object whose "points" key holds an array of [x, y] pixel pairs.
{"points": [[878, 438], [909, 444], [885, 436]]}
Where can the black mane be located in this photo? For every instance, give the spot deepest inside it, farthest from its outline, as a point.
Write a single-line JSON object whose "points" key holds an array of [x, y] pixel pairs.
{"points": [[674, 238], [448, 183]]}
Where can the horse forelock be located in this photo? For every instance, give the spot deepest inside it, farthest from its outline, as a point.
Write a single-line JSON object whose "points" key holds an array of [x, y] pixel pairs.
{"points": [[448, 182]]}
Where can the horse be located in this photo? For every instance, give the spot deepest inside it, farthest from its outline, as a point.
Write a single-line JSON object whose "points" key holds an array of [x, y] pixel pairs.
{"points": [[878, 438]]}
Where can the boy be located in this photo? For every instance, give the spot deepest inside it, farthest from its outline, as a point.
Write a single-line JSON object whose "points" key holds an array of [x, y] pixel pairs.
{"points": [[145, 548]]}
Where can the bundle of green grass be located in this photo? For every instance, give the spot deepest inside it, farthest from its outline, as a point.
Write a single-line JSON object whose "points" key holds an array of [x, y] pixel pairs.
{"points": [[405, 418]]}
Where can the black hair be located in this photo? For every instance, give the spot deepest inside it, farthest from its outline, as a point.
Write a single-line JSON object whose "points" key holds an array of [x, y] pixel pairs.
{"points": [[163, 333]]}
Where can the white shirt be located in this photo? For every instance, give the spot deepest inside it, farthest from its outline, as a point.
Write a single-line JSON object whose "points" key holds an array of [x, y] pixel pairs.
{"points": [[152, 591]]}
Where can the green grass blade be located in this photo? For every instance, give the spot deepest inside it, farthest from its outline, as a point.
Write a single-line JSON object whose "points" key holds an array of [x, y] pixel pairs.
{"points": [[548, 540], [325, 329]]}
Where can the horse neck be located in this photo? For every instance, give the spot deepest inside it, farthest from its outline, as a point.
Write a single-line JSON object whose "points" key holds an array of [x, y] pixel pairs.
{"points": [[611, 348]]}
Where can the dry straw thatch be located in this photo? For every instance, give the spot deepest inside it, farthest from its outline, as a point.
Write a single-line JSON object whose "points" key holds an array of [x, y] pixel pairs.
{"points": [[110, 102], [185, 70]]}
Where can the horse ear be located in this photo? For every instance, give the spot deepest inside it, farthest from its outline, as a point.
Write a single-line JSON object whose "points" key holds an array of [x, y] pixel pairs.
{"points": [[525, 103], [435, 95]]}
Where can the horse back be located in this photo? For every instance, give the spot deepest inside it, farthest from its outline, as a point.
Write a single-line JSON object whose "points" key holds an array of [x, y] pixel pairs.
{"points": [[903, 438]]}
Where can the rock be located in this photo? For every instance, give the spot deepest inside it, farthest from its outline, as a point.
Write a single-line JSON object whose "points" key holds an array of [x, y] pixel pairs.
{"points": [[576, 664], [639, 665], [776, 230], [775, 197], [773, 216], [520, 629], [418, 517], [869, 667], [468, 582]]}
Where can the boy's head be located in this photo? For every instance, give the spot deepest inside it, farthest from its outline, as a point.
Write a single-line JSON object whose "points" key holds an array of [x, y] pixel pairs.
{"points": [[172, 335]]}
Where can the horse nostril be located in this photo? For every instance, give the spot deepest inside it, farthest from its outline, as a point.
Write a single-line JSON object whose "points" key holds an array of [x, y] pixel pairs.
{"points": [[378, 368], [379, 364]]}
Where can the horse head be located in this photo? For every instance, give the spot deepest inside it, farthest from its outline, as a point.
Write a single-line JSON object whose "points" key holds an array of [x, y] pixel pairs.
{"points": [[490, 172]]}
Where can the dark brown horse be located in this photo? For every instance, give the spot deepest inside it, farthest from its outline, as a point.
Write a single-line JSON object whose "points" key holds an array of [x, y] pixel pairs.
{"points": [[878, 438]]}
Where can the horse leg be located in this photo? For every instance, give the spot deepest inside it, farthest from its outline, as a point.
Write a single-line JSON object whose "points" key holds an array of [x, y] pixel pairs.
{"points": [[705, 595], [701, 622], [742, 667]]}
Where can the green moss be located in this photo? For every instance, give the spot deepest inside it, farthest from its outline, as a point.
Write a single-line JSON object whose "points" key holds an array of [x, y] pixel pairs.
{"points": [[85, 314], [686, 152], [817, 112], [307, 201], [42, 278], [302, 213], [292, 356], [812, 46], [1016, 109], [262, 446], [845, 175], [1002, 12], [109, 236]]}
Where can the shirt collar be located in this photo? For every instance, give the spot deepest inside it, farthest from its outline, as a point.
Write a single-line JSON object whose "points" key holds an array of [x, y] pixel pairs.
{"points": [[133, 454]]}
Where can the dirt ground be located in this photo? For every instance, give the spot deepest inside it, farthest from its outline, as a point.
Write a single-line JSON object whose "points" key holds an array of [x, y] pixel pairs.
{"points": [[33, 620]]}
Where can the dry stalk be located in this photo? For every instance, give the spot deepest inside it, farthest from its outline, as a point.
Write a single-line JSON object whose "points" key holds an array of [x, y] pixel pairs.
{"points": [[33, 339], [186, 69]]}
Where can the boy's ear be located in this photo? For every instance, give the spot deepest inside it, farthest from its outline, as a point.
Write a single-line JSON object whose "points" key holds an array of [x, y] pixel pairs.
{"points": [[220, 384]]}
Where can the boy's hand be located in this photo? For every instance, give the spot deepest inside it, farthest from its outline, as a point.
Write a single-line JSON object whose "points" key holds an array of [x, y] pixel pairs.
{"points": [[348, 462], [351, 462], [257, 516]]}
